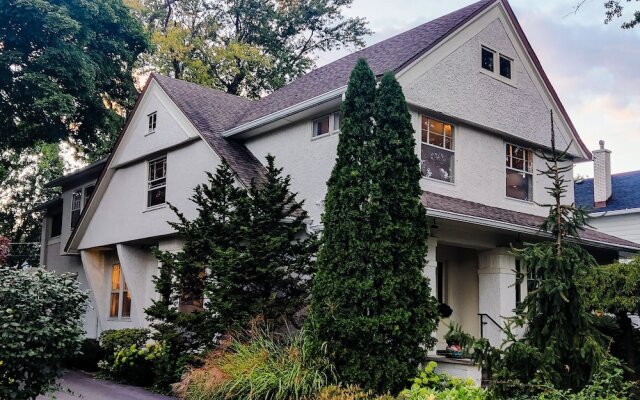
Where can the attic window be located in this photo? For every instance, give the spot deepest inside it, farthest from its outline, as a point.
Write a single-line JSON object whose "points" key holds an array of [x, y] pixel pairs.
{"points": [[487, 58], [496, 64], [157, 182], [327, 124], [505, 66], [153, 117]]}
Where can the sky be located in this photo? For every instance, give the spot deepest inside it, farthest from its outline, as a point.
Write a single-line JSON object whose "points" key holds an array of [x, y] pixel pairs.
{"points": [[595, 68]]}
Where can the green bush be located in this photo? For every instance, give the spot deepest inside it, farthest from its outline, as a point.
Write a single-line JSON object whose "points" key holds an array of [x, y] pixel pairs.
{"points": [[115, 339], [335, 392], [40, 327], [434, 386], [264, 367], [136, 364]]}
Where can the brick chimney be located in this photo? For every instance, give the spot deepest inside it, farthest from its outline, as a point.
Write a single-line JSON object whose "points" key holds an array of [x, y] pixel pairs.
{"points": [[601, 176]]}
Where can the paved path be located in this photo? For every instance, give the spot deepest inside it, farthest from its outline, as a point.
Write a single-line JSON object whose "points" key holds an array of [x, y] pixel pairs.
{"points": [[84, 386]]}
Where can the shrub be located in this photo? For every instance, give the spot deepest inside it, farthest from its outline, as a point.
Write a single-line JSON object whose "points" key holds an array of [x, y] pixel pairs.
{"points": [[136, 364], [41, 326], [434, 386], [264, 367], [348, 393], [4, 249], [115, 339]]}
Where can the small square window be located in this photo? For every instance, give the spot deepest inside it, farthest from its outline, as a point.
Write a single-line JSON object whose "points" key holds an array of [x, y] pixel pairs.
{"points": [[153, 117], [505, 67], [321, 126], [487, 59]]}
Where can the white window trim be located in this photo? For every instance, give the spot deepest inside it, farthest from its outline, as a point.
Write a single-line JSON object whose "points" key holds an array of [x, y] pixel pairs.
{"points": [[120, 292], [496, 66], [453, 150], [331, 126], [152, 129], [520, 171], [83, 199], [148, 183]]}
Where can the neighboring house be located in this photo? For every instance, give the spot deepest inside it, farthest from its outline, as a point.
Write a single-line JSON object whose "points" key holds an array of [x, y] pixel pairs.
{"points": [[61, 216], [613, 201], [479, 102]]}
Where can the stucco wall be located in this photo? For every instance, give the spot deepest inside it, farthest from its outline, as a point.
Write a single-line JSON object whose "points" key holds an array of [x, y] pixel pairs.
{"points": [[457, 86], [122, 214], [626, 226]]}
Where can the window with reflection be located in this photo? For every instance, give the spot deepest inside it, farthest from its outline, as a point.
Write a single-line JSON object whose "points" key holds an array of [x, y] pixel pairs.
{"points": [[519, 175], [437, 148], [120, 306]]}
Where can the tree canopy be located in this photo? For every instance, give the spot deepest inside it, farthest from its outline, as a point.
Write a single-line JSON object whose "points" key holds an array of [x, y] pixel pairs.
{"points": [[614, 10], [65, 70], [244, 47]]}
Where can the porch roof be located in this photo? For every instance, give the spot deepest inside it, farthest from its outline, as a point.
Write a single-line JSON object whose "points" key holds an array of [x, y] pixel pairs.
{"points": [[451, 208]]}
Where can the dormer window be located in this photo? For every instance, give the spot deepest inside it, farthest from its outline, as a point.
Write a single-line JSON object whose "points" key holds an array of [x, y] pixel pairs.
{"points": [[496, 64], [328, 124], [153, 117]]}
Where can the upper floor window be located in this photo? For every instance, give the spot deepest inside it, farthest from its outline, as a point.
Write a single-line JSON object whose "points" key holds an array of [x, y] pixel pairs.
{"points": [[79, 200], [330, 123], [491, 58], [120, 302], [153, 118], [157, 181], [437, 148], [519, 163]]}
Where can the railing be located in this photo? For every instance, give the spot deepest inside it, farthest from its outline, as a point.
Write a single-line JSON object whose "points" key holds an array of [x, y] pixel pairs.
{"points": [[485, 319]]}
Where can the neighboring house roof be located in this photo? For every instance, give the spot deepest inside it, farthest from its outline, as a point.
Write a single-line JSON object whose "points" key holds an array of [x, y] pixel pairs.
{"points": [[625, 193], [467, 211], [212, 111], [53, 203]]}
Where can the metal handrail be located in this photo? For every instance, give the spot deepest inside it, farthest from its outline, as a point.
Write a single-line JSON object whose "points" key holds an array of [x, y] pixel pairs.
{"points": [[483, 323]]}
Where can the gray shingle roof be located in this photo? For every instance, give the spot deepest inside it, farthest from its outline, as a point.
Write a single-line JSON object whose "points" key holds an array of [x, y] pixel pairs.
{"points": [[212, 111], [464, 207], [389, 55]]}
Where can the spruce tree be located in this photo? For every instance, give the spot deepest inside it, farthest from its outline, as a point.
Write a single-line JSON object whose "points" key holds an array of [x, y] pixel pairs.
{"points": [[371, 306]]}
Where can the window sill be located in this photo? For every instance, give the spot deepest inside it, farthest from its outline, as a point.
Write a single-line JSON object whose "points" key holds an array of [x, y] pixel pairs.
{"points": [[519, 200], [426, 178], [115, 319], [149, 133], [498, 77], [324, 136], [54, 240], [153, 208]]}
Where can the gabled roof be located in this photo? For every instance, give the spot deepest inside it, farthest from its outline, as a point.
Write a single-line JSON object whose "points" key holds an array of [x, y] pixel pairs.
{"points": [[481, 214], [212, 111], [89, 172], [389, 55], [625, 193]]}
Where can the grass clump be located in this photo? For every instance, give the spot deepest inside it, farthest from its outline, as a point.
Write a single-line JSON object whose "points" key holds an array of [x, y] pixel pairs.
{"points": [[259, 366]]}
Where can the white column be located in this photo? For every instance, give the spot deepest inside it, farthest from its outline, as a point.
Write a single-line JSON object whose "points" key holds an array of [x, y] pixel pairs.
{"points": [[497, 293], [429, 271]]}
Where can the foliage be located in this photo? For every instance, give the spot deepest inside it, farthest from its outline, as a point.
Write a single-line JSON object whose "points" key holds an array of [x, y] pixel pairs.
{"points": [[240, 255], [26, 174], [262, 366], [614, 9], [561, 345], [455, 335], [431, 385], [248, 47], [113, 340], [371, 305], [40, 316], [335, 392], [4, 249], [65, 68], [135, 364]]}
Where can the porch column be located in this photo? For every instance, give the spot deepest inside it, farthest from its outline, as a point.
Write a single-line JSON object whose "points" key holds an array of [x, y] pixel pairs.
{"points": [[429, 271], [497, 294]]}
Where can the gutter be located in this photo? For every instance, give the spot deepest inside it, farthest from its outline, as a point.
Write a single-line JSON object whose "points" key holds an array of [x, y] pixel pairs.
{"points": [[614, 212], [287, 112]]}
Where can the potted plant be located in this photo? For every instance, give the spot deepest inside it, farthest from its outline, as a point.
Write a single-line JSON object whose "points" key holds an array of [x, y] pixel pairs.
{"points": [[458, 341]]}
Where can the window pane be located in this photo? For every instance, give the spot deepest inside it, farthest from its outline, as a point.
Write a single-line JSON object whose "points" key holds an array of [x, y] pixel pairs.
{"points": [[518, 163], [113, 310], [487, 59], [156, 197], [88, 192], [321, 126], [126, 304], [436, 140], [115, 277], [437, 163], [436, 127], [517, 152], [505, 67], [337, 121], [76, 199], [75, 217], [519, 185], [448, 130]]}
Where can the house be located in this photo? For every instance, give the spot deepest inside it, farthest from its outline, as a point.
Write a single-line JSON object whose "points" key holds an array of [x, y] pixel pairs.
{"points": [[613, 200], [479, 102]]}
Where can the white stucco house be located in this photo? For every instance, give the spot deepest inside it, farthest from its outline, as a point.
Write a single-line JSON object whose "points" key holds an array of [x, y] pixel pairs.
{"points": [[613, 200], [479, 101]]}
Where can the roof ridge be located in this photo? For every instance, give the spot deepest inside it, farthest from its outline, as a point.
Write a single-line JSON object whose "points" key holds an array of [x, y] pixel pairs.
{"points": [[157, 75]]}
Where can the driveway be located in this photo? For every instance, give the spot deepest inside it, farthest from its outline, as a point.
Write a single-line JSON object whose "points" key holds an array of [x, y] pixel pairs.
{"points": [[78, 385]]}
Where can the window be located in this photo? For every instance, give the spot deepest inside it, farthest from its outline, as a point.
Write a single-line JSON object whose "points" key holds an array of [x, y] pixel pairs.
{"points": [[76, 207], [56, 225], [519, 174], [157, 181], [487, 58], [440, 282], [437, 149], [79, 200], [153, 117], [505, 66], [327, 124], [120, 296]]}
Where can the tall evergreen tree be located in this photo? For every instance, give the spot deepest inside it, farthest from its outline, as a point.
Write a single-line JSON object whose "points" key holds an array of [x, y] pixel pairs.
{"points": [[371, 305]]}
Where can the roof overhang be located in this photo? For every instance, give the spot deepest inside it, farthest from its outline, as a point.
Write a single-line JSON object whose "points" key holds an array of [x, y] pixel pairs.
{"points": [[86, 173], [53, 203]]}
